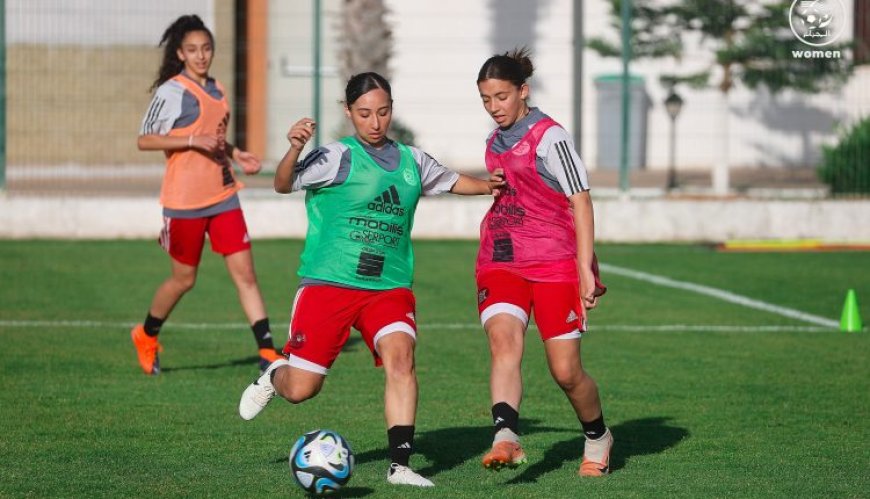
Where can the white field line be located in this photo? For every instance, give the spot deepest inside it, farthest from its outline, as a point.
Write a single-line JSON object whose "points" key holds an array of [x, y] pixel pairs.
{"points": [[456, 326], [722, 295], [822, 323]]}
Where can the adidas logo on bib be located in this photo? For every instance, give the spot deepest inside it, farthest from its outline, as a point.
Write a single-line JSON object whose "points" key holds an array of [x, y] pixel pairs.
{"points": [[388, 202]]}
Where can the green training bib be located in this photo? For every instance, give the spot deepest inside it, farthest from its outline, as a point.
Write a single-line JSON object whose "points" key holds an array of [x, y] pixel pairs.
{"points": [[359, 232]]}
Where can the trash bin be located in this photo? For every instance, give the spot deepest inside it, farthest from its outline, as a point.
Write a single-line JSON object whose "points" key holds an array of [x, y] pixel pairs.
{"points": [[609, 121]]}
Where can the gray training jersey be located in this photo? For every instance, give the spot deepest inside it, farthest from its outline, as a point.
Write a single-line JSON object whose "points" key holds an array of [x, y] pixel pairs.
{"points": [[556, 170], [330, 164]]}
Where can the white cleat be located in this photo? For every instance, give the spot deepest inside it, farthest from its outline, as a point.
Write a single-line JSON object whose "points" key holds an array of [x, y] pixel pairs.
{"points": [[403, 475], [259, 393]]}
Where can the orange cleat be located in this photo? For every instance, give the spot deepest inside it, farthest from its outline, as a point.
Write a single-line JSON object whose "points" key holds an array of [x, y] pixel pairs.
{"points": [[596, 456], [267, 356], [504, 453], [147, 348]]}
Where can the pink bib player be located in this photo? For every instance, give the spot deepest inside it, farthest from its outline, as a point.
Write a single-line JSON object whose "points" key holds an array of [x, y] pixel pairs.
{"points": [[529, 229]]}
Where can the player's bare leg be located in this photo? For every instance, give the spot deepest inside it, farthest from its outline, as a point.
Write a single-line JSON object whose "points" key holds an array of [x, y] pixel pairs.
{"points": [[168, 294], [396, 350], [297, 385], [506, 335], [241, 268], [400, 385], [291, 383], [563, 358]]}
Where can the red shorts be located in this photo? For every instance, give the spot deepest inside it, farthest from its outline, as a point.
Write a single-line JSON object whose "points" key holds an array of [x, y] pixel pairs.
{"points": [[183, 238], [323, 315], [559, 312]]}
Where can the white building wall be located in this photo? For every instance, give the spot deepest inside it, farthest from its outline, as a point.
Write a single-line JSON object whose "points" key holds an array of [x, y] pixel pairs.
{"points": [[440, 46], [629, 220], [291, 60], [786, 130]]}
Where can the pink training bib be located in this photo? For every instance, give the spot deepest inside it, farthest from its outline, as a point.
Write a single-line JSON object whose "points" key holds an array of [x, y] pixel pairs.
{"points": [[529, 229]]}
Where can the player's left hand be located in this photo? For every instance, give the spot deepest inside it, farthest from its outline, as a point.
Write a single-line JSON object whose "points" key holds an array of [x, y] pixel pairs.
{"points": [[249, 163], [588, 292]]}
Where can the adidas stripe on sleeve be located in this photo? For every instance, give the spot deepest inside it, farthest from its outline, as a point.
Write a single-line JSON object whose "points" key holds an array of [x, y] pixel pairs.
{"points": [[320, 167], [561, 160], [164, 109], [435, 178]]}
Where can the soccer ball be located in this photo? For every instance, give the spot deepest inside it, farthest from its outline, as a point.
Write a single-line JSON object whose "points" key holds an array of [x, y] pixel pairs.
{"points": [[321, 461]]}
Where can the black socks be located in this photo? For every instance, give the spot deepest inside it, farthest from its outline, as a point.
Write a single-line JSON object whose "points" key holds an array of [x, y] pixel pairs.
{"points": [[262, 330], [401, 439], [594, 429], [152, 325], [505, 416], [263, 333]]}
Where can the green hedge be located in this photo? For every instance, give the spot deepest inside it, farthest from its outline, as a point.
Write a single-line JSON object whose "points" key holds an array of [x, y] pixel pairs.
{"points": [[846, 166]]}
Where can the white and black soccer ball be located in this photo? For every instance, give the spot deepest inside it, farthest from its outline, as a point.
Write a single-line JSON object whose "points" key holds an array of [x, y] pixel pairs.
{"points": [[321, 461]]}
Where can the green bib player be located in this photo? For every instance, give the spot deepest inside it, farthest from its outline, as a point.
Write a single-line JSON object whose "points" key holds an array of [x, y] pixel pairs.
{"points": [[358, 264]]}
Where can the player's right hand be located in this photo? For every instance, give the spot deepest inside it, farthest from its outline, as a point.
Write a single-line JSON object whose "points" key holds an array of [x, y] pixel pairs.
{"points": [[301, 132], [206, 143]]}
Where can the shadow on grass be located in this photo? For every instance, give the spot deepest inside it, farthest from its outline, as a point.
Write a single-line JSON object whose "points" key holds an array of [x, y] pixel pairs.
{"points": [[447, 448], [352, 492], [632, 438], [351, 345], [246, 361]]}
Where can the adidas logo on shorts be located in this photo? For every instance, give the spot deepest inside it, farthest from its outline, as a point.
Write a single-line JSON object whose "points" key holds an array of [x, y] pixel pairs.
{"points": [[571, 317]]}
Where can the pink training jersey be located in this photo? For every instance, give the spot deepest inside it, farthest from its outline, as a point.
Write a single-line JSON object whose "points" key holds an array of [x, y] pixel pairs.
{"points": [[529, 229]]}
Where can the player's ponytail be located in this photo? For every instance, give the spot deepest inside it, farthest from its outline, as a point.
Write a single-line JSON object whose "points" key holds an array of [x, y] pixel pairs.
{"points": [[514, 66], [171, 42]]}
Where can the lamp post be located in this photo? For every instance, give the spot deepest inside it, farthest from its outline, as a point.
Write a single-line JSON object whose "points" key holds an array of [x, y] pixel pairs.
{"points": [[673, 105]]}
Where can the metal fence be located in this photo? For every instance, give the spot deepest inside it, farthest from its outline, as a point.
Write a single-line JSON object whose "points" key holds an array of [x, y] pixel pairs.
{"points": [[77, 74]]}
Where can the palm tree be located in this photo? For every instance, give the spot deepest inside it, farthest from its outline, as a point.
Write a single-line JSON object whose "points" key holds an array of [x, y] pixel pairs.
{"points": [[366, 44]]}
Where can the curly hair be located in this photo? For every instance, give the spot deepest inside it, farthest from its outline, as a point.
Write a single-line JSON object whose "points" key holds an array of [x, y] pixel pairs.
{"points": [[171, 42]]}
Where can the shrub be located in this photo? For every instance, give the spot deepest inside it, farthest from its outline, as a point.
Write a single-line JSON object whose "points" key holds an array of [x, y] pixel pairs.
{"points": [[846, 166]]}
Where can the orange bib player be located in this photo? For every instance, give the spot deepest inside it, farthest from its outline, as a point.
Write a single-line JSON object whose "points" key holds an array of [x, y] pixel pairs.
{"points": [[187, 120]]}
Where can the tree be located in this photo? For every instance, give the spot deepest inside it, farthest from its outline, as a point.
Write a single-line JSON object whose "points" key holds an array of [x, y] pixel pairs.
{"points": [[752, 43], [366, 44], [366, 39], [651, 33]]}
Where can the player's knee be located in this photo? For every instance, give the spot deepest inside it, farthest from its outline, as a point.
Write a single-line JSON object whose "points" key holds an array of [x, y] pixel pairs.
{"points": [[296, 386], [399, 362], [400, 365], [505, 345], [247, 279], [568, 377], [296, 394], [185, 282]]}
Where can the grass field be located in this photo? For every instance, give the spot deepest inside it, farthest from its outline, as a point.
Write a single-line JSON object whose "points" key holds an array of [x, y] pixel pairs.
{"points": [[705, 398]]}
